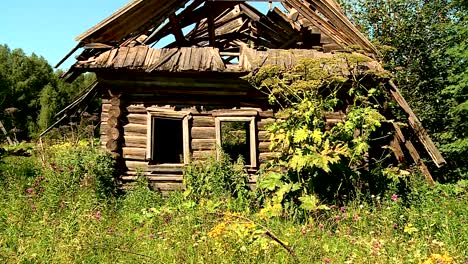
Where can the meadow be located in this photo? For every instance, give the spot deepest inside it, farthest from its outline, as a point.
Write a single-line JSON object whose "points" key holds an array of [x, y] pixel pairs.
{"points": [[61, 205]]}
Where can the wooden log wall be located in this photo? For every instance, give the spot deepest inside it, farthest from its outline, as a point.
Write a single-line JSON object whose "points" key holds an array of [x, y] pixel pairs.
{"points": [[202, 142]]}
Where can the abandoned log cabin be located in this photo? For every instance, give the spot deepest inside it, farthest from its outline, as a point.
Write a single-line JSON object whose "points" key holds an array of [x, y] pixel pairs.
{"points": [[164, 107]]}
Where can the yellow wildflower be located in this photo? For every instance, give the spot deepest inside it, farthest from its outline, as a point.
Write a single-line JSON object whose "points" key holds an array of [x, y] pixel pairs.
{"points": [[438, 259]]}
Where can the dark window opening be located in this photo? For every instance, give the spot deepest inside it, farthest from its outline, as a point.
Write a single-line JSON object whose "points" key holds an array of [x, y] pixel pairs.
{"points": [[235, 140], [167, 141]]}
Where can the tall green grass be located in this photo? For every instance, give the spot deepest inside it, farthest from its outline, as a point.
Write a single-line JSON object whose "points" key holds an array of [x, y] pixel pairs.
{"points": [[61, 206]]}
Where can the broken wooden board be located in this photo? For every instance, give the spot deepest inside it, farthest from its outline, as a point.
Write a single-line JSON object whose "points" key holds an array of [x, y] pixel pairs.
{"points": [[417, 127]]}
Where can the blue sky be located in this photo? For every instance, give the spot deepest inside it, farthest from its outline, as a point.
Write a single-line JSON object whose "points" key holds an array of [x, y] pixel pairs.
{"points": [[48, 28]]}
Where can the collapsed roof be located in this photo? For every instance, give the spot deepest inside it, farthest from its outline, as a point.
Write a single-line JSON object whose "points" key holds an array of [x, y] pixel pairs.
{"points": [[226, 25]]}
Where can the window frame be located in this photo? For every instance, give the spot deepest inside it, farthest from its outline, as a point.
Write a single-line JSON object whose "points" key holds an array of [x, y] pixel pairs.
{"points": [[253, 133], [184, 117]]}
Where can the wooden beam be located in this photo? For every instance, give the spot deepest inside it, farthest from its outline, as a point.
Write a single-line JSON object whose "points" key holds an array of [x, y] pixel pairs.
{"points": [[187, 17], [417, 127], [414, 154], [211, 24], [176, 30], [68, 55]]}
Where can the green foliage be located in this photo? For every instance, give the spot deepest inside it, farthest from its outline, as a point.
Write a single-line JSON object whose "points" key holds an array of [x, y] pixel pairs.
{"points": [[70, 167], [309, 149], [217, 178]]}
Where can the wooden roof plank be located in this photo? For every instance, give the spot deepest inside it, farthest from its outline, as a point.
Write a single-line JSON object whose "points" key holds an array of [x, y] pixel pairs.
{"points": [[120, 57], [140, 57]]}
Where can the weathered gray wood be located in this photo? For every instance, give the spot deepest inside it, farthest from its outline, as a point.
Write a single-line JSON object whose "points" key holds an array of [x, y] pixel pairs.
{"points": [[263, 136], [203, 144], [203, 154], [135, 130], [6, 134], [136, 109], [162, 168], [134, 153], [135, 141], [266, 156], [203, 133], [417, 127], [396, 148], [264, 122], [113, 133], [264, 147], [234, 113], [137, 119], [166, 186], [112, 145], [129, 176], [203, 121], [115, 112], [414, 154]]}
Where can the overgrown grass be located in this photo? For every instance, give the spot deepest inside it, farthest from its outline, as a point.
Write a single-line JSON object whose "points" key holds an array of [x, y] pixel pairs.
{"points": [[60, 207]]}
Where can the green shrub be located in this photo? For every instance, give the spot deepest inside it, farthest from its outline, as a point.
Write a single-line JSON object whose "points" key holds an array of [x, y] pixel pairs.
{"points": [[217, 179], [76, 166]]}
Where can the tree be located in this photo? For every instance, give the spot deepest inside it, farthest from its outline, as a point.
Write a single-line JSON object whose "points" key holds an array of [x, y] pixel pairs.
{"points": [[31, 93], [424, 45], [21, 80]]}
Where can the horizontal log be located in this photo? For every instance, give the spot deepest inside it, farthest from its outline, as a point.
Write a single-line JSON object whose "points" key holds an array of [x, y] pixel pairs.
{"points": [[105, 106], [103, 140], [135, 141], [162, 168], [203, 144], [136, 109], [154, 177], [134, 153], [112, 122], [263, 136], [115, 101], [203, 121], [264, 122], [135, 130], [203, 133], [264, 157], [235, 112], [167, 186], [264, 146], [103, 128], [203, 154], [104, 117], [266, 114], [138, 119]]}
